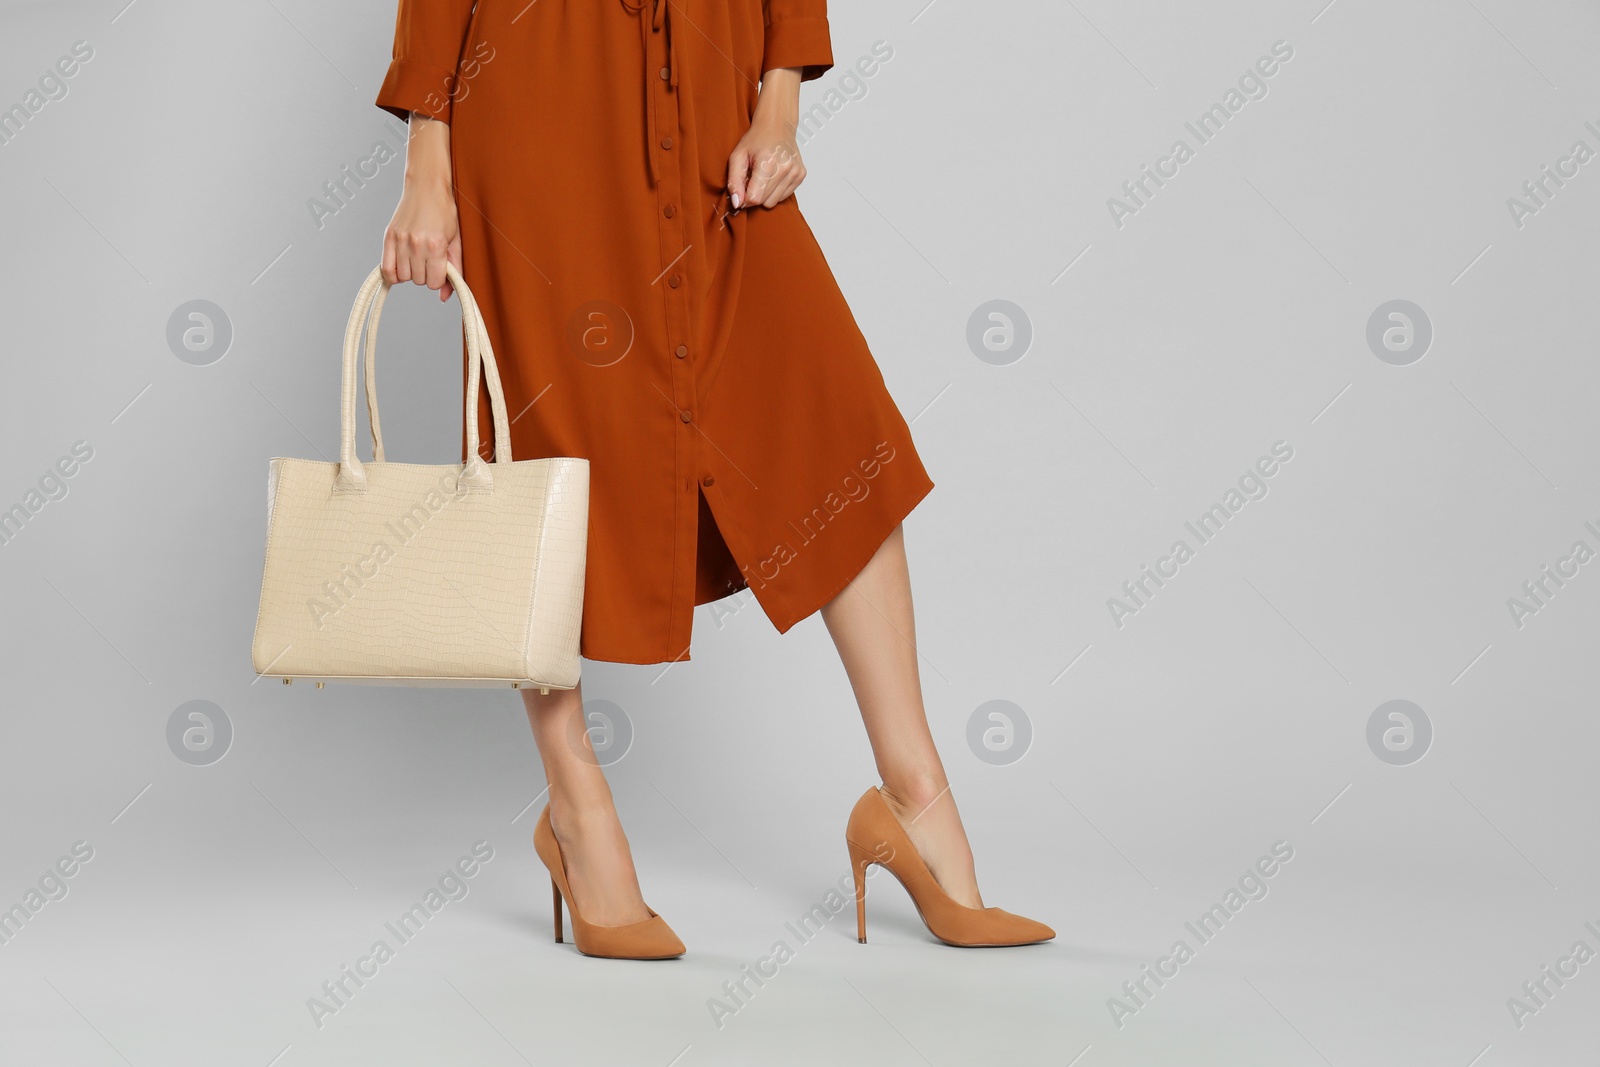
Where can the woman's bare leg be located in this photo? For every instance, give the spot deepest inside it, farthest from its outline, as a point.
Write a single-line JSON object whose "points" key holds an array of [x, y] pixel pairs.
{"points": [[600, 870], [871, 623]]}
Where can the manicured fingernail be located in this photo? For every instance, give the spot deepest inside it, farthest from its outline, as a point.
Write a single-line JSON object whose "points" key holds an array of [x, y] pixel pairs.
{"points": [[735, 200]]}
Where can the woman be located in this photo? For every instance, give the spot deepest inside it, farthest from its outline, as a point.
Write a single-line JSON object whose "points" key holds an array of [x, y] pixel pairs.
{"points": [[616, 180]]}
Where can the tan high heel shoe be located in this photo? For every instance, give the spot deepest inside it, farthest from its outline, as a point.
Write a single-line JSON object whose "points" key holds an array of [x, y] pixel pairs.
{"points": [[647, 939], [874, 835]]}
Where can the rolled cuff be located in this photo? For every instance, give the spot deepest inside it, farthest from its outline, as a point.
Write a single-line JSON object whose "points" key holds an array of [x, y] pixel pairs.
{"points": [[412, 85], [798, 42]]}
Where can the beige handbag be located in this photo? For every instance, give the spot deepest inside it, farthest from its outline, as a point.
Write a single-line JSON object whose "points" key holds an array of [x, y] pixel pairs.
{"points": [[405, 574]]}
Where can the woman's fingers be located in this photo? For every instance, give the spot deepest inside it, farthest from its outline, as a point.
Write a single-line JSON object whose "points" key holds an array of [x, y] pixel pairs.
{"points": [[434, 257], [422, 238], [765, 166], [419, 264], [773, 167], [762, 175], [386, 262], [785, 185], [738, 175], [454, 257], [408, 258], [778, 172]]}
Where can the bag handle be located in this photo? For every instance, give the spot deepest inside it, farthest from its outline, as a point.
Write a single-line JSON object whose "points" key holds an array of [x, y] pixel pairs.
{"points": [[480, 354], [371, 371], [491, 374]]}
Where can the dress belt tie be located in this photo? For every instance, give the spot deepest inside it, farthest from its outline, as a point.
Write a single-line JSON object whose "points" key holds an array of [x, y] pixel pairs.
{"points": [[657, 23]]}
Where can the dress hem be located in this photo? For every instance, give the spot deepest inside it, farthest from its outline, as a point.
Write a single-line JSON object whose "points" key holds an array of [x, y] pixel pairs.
{"points": [[851, 567], [854, 567]]}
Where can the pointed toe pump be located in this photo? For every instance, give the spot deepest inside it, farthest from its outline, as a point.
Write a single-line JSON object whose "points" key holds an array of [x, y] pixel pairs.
{"points": [[874, 835], [647, 939]]}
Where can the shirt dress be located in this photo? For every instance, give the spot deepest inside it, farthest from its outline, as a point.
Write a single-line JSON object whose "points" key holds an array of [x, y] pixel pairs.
{"points": [[738, 430]]}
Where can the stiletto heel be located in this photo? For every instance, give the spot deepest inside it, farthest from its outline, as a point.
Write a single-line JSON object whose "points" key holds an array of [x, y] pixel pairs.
{"points": [[874, 835], [860, 860], [647, 939]]}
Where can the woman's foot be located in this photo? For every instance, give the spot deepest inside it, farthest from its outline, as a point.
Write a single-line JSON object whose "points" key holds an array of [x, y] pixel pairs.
{"points": [[927, 812], [600, 872]]}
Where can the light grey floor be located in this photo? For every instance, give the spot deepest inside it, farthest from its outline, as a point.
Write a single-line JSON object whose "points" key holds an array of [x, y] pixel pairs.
{"points": [[217, 904]]}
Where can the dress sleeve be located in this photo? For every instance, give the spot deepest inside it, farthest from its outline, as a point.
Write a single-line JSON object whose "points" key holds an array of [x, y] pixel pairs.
{"points": [[797, 36], [428, 38]]}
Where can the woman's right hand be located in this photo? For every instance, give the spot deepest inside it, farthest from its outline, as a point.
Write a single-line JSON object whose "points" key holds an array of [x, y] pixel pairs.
{"points": [[425, 231]]}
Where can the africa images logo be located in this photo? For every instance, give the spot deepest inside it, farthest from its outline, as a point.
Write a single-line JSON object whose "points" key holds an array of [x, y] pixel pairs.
{"points": [[1252, 485]]}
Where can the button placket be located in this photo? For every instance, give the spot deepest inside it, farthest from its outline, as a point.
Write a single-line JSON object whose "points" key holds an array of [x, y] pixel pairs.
{"points": [[676, 229]]}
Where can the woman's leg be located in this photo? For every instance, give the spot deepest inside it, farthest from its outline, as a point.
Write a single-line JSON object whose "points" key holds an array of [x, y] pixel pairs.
{"points": [[871, 623], [600, 870]]}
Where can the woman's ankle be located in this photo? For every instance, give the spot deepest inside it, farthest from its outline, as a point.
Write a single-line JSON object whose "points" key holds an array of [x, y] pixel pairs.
{"points": [[572, 810], [911, 795]]}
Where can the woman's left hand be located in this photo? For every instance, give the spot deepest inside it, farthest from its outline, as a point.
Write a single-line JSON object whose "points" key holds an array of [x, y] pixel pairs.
{"points": [[765, 166]]}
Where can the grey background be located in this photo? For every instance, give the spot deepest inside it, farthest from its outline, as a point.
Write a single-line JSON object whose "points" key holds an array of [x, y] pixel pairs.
{"points": [[1166, 755]]}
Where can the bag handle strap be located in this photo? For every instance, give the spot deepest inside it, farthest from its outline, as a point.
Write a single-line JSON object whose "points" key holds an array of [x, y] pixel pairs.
{"points": [[480, 354], [371, 369], [491, 374], [371, 372]]}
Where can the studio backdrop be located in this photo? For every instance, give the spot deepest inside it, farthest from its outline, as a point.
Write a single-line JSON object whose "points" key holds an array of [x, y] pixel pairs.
{"points": [[1250, 348]]}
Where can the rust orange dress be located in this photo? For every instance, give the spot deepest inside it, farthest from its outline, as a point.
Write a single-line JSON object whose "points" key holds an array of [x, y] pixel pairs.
{"points": [[738, 431]]}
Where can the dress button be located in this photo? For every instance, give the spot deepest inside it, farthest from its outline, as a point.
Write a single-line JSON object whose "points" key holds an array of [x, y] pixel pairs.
{"points": [[708, 480], [681, 351], [666, 72], [673, 281], [669, 211], [685, 415], [666, 142]]}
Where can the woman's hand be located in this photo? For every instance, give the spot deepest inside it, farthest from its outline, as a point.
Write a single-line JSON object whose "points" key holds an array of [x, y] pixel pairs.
{"points": [[765, 166], [424, 232]]}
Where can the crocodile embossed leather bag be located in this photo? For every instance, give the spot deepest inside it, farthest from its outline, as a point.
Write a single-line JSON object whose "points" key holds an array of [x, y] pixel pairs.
{"points": [[461, 574]]}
